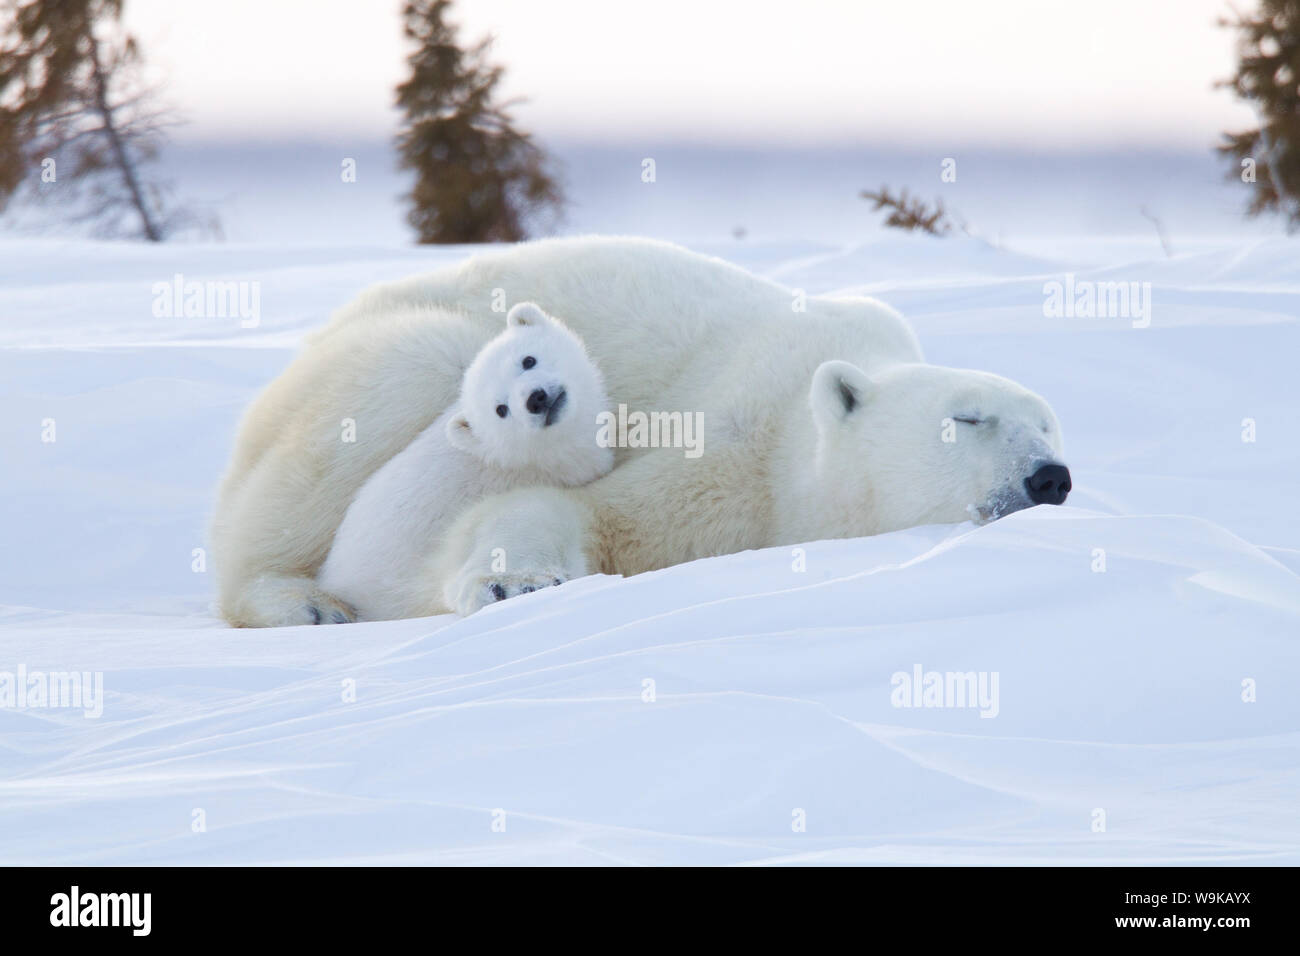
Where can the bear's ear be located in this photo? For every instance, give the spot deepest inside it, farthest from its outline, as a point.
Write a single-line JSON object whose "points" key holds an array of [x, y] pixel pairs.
{"points": [[838, 390], [460, 434], [525, 313]]}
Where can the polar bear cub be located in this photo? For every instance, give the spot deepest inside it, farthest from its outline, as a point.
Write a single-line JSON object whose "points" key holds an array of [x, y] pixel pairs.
{"points": [[526, 415]]}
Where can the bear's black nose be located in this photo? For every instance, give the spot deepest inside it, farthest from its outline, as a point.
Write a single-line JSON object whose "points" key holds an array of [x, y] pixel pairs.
{"points": [[536, 403], [1048, 485]]}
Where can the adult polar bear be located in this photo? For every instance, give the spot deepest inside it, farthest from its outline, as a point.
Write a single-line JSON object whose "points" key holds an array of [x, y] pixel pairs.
{"points": [[818, 423]]}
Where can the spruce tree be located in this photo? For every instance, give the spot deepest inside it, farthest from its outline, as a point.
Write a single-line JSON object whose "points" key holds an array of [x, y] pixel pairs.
{"points": [[71, 109], [908, 212], [1268, 78], [477, 178]]}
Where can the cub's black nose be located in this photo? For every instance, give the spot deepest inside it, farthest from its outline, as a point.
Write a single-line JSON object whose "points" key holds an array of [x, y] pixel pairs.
{"points": [[1048, 485], [537, 401]]}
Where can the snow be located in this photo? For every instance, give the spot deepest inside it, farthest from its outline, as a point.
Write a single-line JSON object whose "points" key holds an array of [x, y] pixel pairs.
{"points": [[1119, 690]]}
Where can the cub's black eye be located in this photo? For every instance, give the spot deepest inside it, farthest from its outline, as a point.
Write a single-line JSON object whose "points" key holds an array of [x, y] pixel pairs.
{"points": [[503, 411], [529, 361], [965, 420]]}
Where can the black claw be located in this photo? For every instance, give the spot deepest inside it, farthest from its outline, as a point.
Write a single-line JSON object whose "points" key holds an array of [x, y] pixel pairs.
{"points": [[338, 617], [314, 612], [557, 582], [528, 590], [498, 592]]}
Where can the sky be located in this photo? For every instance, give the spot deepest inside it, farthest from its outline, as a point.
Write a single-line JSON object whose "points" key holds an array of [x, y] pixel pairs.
{"points": [[1043, 75]]}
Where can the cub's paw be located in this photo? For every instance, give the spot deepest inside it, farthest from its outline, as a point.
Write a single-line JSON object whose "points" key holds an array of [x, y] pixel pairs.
{"points": [[478, 591]]}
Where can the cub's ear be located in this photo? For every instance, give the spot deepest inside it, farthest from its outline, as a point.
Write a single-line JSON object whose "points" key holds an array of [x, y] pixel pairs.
{"points": [[838, 390], [460, 434], [526, 313]]}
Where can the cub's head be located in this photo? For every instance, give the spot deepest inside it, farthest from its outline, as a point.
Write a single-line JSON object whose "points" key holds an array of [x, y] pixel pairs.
{"points": [[529, 402], [922, 444]]}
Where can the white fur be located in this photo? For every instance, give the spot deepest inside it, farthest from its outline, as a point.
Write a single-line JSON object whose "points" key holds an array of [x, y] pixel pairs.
{"points": [[863, 454], [671, 331], [400, 514]]}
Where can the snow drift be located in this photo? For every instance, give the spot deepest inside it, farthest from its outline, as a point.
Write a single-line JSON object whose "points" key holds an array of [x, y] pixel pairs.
{"points": [[1142, 640]]}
